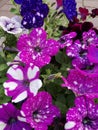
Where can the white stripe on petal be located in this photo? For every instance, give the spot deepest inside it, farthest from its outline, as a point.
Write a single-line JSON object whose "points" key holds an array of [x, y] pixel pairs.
{"points": [[31, 73], [15, 73], [20, 97], [2, 125], [10, 85], [21, 119], [35, 86], [69, 125]]}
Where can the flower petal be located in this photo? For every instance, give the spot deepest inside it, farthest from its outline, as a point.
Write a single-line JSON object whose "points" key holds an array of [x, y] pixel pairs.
{"points": [[35, 86], [15, 72]]}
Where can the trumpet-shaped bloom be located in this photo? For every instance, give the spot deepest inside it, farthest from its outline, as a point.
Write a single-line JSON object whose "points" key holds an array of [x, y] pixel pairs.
{"points": [[82, 82], [22, 80], [11, 118], [12, 26], [39, 111], [35, 48], [84, 116]]}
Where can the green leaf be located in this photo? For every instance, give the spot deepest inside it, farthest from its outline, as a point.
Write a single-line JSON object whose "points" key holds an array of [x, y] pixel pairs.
{"points": [[60, 57], [3, 97], [3, 67]]}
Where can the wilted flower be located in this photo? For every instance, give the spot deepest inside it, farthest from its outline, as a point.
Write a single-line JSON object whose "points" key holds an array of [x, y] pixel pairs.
{"points": [[83, 116], [39, 111], [22, 80], [11, 118]]}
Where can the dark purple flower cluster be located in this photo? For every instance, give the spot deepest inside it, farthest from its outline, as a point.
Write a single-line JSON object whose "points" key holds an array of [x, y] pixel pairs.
{"points": [[33, 13], [69, 8]]}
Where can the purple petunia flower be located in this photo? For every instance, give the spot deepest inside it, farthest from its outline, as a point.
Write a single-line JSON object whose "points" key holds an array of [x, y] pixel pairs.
{"points": [[69, 8], [18, 1], [11, 119], [66, 40], [93, 54], [33, 13], [22, 80], [36, 49], [83, 116], [39, 111], [82, 82]]}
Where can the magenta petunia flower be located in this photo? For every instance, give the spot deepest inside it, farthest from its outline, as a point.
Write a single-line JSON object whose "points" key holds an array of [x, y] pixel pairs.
{"points": [[66, 40], [82, 82], [39, 111], [22, 80], [93, 54], [36, 49], [83, 116], [11, 118]]}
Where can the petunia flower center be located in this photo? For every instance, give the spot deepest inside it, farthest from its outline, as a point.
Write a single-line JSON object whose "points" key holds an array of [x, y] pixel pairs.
{"points": [[11, 120], [10, 26], [26, 83], [87, 121], [36, 116], [37, 49]]}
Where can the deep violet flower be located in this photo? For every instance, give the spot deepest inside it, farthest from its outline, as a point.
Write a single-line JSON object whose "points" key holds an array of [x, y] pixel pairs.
{"points": [[11, 118], [69, 8], [82, 82], [18, 1], [34, 48], [33, 13], [22, 80], [83, 116], [39, 111]]}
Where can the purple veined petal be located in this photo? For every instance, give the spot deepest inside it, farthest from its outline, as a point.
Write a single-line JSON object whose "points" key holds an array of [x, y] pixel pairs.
{"points": [[93, 54], [38, 36]]}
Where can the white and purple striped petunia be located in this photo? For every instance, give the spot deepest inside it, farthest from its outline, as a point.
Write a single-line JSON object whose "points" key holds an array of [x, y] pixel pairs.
{"points": [[22, 80], [11, 119]]}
